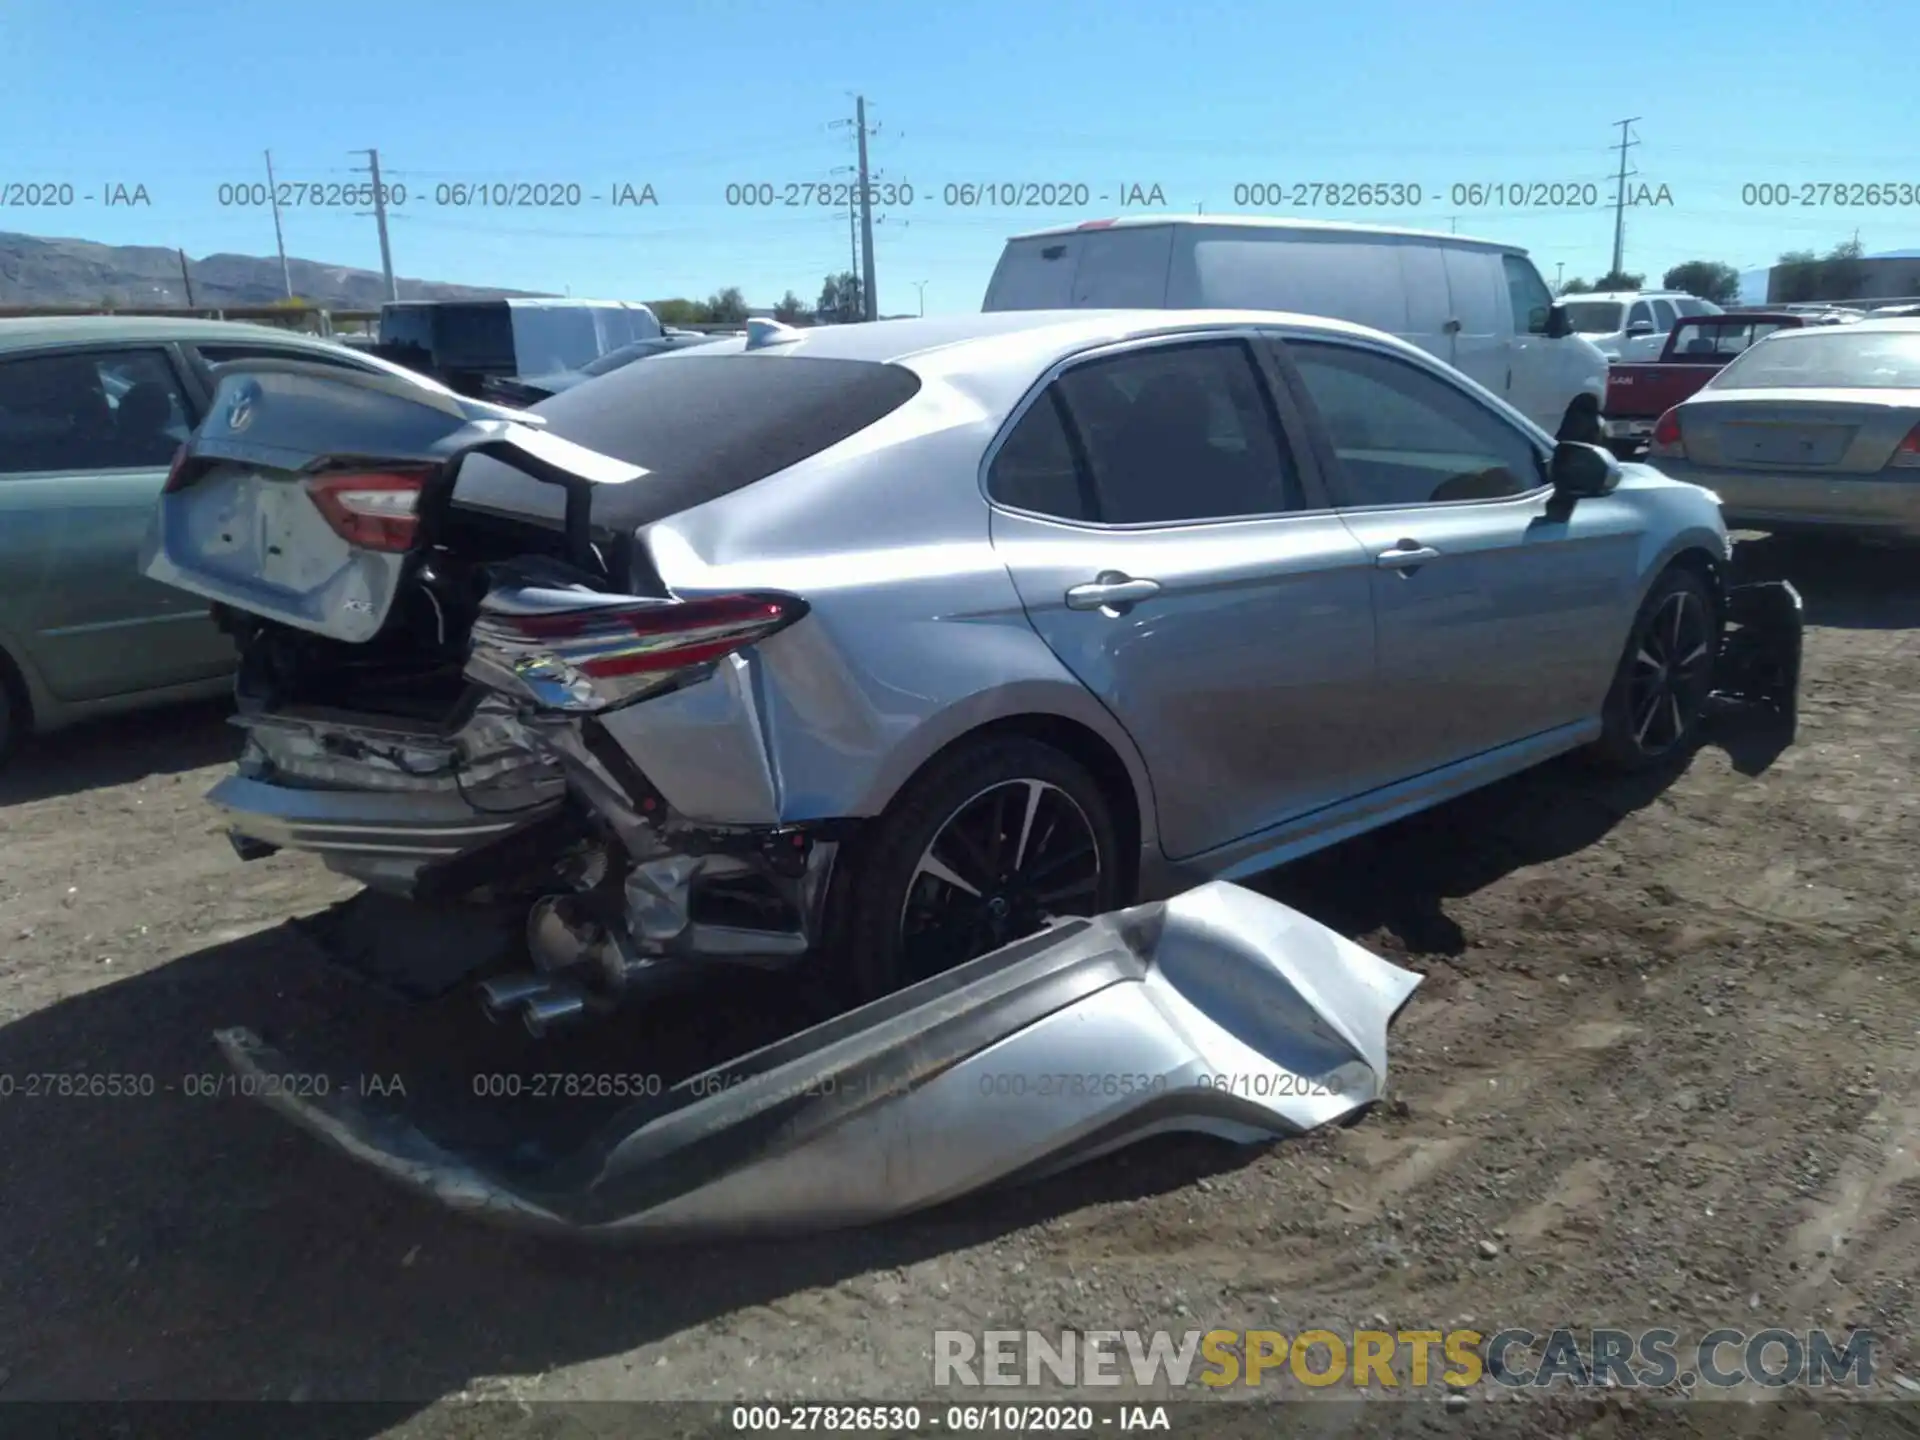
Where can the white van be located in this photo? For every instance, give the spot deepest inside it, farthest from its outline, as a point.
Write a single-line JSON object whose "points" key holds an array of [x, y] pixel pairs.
{"points": [[1478, 305]]}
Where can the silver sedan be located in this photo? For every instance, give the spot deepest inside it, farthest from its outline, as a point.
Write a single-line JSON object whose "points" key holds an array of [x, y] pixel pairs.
{"points": [[1815, 430]]}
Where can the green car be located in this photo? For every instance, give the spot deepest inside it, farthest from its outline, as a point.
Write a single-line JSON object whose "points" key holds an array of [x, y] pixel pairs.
{"points": [[92, 409]]}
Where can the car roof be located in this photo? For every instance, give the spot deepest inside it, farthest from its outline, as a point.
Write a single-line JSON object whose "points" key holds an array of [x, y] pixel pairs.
{"points": [[1035, 333], [1895, 324], [994, 358], [1631, 295], [1265, 222], [22, 331]]}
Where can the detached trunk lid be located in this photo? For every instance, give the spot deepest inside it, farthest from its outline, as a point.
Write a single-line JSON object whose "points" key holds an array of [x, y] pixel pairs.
{"points": [[246, 520]]}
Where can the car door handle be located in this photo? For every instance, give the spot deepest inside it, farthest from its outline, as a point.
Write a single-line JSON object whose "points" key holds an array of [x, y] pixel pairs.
{"points": [[1110, 589], [1405, 556]]}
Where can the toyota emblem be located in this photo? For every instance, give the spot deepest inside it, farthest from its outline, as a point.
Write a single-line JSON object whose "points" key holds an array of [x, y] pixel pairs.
{"points": [[240, 410]]}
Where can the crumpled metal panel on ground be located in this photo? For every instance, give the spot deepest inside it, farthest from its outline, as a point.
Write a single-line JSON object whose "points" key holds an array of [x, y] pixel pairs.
{"points": [[1219, 1011]]}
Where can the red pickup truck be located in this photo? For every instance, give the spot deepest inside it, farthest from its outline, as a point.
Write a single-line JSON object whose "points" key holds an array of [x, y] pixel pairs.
{"points": [[1697, 348]]}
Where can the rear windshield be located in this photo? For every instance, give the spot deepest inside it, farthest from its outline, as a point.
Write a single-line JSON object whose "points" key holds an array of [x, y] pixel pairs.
{"points": [[707, 425], [1842, 359], [625, 355], [1595, 317], [473, 337]]}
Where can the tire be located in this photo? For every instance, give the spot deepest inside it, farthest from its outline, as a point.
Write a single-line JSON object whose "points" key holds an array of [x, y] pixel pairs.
{"points": [[899, 921], [1582, 422], [1659, 692]]}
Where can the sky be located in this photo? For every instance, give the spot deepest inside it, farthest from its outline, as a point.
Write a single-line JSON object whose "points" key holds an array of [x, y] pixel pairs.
{"points": [[988, 119]]}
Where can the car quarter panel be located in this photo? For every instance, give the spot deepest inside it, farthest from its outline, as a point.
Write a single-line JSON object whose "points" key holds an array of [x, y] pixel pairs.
{"points": [[915, 635]]}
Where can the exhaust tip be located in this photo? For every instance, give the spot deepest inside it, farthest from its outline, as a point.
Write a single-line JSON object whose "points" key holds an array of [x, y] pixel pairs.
{"points": [[502, 994], [543, 1013]]}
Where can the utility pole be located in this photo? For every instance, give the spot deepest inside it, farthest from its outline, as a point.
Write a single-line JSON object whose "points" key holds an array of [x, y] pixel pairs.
{"points": [[867, 295], [280, 240], [1559, 275], [921, 286], [853, 241], [380, 218], [1620, 195]]}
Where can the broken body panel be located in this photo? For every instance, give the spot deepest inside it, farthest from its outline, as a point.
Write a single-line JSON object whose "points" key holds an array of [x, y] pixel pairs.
{"points": [[1220, 1012]]}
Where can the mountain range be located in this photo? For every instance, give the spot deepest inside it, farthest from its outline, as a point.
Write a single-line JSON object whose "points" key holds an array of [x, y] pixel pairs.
{"points": [[39, 270]]}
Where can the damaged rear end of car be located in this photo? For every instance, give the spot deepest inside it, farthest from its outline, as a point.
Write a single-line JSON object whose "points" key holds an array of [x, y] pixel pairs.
{"points": [[423, 684]]}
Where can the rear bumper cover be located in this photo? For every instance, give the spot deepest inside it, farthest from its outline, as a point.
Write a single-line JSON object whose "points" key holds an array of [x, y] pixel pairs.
{"points": [[1219, 1011]]}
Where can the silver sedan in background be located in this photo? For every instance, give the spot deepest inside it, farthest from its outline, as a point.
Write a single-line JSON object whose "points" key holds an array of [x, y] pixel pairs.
{"points": [[1810, 430]]}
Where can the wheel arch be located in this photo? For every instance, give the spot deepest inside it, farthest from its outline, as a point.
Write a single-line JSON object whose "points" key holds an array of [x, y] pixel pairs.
{"points": [[1066, 718]]}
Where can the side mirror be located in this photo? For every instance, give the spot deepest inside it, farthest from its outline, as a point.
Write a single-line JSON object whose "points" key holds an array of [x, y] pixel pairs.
{"points": [[1581, 471], [1559, 322], [1639, 327]]}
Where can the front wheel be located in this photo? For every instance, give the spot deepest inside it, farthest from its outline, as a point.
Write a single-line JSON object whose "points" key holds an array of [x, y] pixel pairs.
{"points": [[989, 844], [1660, 689]]}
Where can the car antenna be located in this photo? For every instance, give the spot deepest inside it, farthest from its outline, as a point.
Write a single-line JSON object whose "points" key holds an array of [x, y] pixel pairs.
{"points": [[762, 333]]}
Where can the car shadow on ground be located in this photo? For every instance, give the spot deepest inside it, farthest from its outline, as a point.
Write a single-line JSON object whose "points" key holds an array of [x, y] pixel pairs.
{"points": [[1844, 585], [1398, 879], [120, 751], [181, 1244]]}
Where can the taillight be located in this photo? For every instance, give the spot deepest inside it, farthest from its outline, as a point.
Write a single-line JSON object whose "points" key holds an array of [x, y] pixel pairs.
{"points": [[607, 655], [372, 512], [1666, 443], [177, 472], [1907, 454]]}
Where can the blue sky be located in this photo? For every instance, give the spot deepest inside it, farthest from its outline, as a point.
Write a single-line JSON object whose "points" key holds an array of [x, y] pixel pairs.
{"points": [[1192, 97]]}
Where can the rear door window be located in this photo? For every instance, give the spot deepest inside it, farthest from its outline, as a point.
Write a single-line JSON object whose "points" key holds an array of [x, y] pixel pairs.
{"points": [[1035, 274], [1124, 268], [1179, 433], [1036, 469], [101, 410]]}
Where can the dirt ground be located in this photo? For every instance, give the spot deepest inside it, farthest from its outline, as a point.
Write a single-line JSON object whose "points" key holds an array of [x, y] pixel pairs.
{"points": [[1664, 1064]]}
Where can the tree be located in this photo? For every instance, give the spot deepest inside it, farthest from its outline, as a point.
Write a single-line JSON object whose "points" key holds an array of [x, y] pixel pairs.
{"points": [[1795, 278], [791, 310], [727, 307], [679, 312], [1707, 279], [840, 302], [1619, 280], [1576, 286], [1801, 275], [1841, 272]]}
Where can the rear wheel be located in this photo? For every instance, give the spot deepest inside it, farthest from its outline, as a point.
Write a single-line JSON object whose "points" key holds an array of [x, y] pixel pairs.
{"points": [[994, 840], [1661, 687]]}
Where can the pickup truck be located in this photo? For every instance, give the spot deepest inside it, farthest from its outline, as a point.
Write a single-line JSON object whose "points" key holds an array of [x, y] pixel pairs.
{"points": [[1638, 394]]}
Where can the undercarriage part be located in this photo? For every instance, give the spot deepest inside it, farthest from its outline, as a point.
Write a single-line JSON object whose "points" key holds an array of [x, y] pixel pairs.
{"points": [[1759, 661], [558, 1005], [1220, 1012]]}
